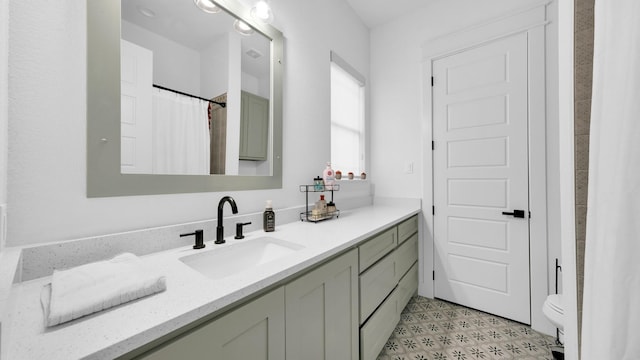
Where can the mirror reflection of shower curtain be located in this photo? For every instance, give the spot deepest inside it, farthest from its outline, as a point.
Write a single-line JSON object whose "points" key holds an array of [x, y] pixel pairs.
{"points": [[180, 134], [218, 130], [611, 311]]}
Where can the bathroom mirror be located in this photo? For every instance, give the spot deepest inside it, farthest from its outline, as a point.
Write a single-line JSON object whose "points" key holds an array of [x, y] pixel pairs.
{"points": [[107, 153]]}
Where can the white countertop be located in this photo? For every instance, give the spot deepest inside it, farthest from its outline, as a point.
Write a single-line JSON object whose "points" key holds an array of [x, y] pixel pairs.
{"points": [[189, 295]]}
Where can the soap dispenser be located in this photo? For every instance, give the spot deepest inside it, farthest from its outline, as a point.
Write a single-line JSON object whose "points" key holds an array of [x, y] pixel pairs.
{"points": [[328, 176], [269, 218]]}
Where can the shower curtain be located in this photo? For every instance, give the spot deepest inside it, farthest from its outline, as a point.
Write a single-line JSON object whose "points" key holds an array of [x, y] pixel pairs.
{"points": [[181, 141], [611, 307]]}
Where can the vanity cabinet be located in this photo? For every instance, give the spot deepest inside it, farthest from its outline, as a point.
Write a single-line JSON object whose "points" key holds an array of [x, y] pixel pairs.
{"points": [[322, 312], [386, 285], [254, 127], [251, 331], [343, 309]]}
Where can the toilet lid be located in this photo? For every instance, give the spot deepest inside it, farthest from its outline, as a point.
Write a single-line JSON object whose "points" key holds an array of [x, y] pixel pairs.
{"points": [[555, 302]]}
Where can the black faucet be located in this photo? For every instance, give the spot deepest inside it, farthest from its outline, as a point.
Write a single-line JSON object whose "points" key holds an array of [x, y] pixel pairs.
{"points": [[220, 227]]}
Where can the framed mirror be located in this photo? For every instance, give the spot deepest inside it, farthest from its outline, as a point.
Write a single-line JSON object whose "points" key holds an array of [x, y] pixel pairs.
{"points": [[227, 148]]}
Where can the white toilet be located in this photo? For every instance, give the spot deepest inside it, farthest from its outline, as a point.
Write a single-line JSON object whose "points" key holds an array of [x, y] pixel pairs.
{"points": [[553, 310]]}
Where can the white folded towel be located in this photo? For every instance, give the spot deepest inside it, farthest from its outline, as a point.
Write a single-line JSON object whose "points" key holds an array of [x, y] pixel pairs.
{"points": [[93, 287]]}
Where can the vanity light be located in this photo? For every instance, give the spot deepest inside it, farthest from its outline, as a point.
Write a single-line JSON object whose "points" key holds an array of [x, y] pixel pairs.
{"points": [[261, 11], [243, 28], [207, 6]]}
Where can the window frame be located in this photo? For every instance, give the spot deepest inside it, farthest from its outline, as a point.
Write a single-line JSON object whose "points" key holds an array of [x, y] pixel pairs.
{"points": [[362, 132]]}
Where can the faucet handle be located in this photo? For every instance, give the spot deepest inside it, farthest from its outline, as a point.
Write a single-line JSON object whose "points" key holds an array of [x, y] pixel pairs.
{"points": [[239, 230], [199, 238]]}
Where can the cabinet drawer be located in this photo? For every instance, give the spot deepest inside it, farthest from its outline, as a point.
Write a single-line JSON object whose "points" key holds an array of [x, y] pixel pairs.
{"points": [[375, 333], [407, 287], [406, 255], [375, 284], [407, 228], [374, 249]]}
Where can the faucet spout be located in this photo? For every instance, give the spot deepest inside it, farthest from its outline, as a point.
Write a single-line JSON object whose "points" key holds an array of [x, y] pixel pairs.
{"points": [[220, 227]]}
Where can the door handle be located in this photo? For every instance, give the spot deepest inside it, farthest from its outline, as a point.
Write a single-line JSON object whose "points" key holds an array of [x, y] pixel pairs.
{"points": [[515, 213]]}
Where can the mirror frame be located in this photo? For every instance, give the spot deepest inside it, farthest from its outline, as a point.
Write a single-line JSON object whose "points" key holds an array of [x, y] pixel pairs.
{"points": [[103, 114]]}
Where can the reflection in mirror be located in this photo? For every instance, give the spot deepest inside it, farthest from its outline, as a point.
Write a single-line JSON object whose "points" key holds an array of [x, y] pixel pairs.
{"points": [[195, 92], [104, 112]]}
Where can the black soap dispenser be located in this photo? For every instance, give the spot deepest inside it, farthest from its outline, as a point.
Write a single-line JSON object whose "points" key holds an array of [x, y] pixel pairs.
{"points": [[269, 218]]}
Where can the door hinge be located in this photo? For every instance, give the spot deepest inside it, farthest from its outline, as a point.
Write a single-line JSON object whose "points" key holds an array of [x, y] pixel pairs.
{"points": [[434, 274], [433, 145], [433, 210], [529, 214], [432, 81]]}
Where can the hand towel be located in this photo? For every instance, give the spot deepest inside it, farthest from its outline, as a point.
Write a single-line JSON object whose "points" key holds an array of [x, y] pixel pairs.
{"points": [[93, 287]]}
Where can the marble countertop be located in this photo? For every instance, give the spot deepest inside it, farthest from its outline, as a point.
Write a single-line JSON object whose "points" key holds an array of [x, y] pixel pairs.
{"points": [[189, 295]]}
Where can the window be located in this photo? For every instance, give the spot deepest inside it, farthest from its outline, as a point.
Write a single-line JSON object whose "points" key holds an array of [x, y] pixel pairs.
{"points": [[347, 118]]}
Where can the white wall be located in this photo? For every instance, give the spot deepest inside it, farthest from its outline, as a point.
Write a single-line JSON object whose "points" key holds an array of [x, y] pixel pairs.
{"points": [[47, 111], [174, 65], [397, 104], [4, 113], [214, 62]]}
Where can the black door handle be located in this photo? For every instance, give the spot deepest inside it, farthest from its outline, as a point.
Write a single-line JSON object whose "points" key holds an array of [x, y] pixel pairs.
{"points": [[515, 213]]}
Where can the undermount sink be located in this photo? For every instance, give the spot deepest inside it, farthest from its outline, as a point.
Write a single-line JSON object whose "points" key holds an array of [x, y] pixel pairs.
{"points": [[222, 262]]}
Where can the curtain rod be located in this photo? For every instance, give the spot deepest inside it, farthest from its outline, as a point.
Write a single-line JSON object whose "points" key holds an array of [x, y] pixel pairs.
{"points": [[223, 104]]}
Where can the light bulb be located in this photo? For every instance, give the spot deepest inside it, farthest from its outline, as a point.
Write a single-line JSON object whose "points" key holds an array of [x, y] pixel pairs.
{"points": [[262, 11], [207, 6], [242, 27]]}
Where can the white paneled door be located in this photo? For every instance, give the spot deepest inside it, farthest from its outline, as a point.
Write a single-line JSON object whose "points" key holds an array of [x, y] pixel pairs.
{"points": [[480, 127], [136, 68]]}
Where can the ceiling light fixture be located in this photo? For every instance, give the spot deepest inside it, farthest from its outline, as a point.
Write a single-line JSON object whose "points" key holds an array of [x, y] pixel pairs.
{"points": [[243, 28], [207, 6], [261, 11]]}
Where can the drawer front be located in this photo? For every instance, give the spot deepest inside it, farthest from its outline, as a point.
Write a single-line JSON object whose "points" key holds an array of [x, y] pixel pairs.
{"points": [[407, 228], [406, 255], [376, 248], [375, 284], [375, 333], [407, 287]]}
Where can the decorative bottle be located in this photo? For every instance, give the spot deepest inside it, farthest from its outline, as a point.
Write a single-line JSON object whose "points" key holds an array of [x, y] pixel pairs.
{"points": [[328, 176], [269, 218]]}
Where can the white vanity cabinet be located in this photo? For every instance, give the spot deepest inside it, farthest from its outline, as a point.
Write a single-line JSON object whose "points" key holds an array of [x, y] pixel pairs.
{"points": [[387, 285], [252, 331]]}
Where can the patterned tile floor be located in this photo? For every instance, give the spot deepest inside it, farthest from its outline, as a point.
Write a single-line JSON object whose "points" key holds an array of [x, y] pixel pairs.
{"points": [[432, 329]]}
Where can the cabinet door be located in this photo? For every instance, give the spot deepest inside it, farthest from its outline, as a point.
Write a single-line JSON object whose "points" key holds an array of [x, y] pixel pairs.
{"points": [[322, 312], [254, 127], [252, 331]]}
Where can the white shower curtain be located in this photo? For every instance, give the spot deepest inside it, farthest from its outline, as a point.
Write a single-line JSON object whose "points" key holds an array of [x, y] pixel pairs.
{"points": [[181, 141], [611, 307]]}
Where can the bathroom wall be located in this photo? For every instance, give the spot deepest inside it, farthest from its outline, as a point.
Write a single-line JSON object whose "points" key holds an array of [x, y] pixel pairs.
{"points": [[583, 77], [397, 101], [47, 127], [4, 113], [168, 56]]}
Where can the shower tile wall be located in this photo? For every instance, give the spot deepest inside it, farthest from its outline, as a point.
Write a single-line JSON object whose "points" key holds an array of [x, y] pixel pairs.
{"points": [[583, 74]]}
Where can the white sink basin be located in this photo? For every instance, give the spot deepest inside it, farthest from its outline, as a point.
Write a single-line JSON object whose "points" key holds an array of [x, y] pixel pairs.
{"points": [[221, 262]]}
